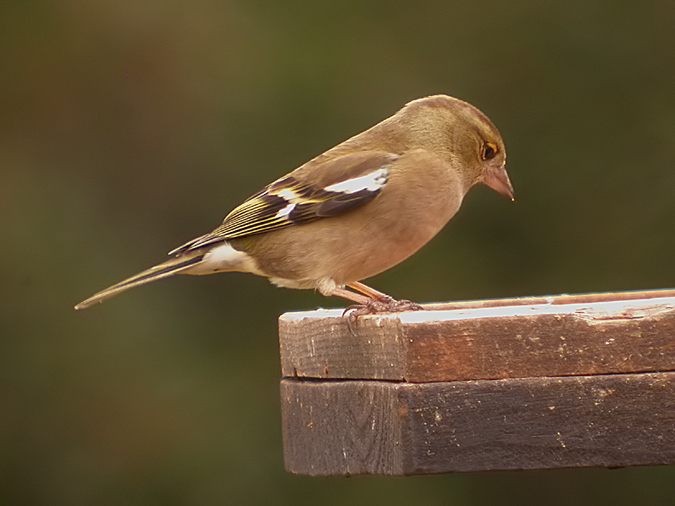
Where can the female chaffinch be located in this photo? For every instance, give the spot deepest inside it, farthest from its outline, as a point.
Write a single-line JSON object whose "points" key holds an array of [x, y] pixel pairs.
{"points": [[354, 211]]}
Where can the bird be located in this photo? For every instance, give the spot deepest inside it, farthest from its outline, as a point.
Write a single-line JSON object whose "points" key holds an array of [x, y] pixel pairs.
{"points": [[354, 211]]}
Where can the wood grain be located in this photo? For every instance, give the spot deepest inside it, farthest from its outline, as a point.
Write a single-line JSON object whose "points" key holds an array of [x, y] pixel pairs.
{"points": [[356, 427], [550, 336]]}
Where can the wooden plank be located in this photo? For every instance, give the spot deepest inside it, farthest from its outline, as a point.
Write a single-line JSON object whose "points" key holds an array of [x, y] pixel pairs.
{"points": [[554, 336], [358, 427]]}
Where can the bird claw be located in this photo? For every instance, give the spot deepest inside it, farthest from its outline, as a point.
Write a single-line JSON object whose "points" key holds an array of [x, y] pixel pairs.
{"points": [[399, 306], [388, 305]]}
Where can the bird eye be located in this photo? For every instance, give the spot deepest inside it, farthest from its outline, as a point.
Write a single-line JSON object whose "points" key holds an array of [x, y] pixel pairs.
{"points": [[488, 151]]}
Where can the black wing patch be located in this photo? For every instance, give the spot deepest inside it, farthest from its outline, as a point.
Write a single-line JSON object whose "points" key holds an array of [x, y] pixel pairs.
{"points": [[288, 202]]}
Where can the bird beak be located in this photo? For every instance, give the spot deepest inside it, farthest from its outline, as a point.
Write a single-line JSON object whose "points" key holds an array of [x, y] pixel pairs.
{"points": [[498, 180]]}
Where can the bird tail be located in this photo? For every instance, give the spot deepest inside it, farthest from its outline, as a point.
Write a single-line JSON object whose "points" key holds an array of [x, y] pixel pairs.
{"points": [[159, 271]]}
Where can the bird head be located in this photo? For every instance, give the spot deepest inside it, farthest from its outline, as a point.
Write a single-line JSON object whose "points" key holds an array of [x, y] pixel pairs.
{"points": [[462, 134]]}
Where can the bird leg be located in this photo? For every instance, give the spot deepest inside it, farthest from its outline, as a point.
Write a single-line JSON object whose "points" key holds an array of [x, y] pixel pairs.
{"points": [[370, 301], [369, 292], [387, 304], [354, 297]]}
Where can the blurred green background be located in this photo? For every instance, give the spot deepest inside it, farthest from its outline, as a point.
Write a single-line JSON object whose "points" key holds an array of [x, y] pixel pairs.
{"points": [[130, 127]]}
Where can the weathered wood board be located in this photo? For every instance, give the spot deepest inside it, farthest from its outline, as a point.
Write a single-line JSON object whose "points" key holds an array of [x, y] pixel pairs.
{"points": [[554, 336], [355, 427], [534, 383]]}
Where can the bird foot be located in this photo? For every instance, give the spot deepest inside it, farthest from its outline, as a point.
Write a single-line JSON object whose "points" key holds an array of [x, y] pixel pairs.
{"points": [[373, 306]]}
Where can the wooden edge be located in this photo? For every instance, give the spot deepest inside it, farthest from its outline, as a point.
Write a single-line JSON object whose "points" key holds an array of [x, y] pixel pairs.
{"points": [[548, 300], [583, 298], [372, 427], [617, 335]]}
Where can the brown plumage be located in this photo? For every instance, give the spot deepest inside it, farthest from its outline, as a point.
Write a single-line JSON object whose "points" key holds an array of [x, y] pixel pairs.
{"points": [[354, 211]]}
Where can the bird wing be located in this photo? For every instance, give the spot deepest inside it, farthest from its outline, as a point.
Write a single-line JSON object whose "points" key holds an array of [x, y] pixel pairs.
{"points": [[314, 191]]}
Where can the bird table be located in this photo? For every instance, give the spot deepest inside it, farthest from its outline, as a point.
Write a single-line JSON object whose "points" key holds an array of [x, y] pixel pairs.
{"points": [[529, 383]]}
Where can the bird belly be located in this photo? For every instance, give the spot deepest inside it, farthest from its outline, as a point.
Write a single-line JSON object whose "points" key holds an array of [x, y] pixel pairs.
{"points": [[393, 245], [301, 284], [343, 250]]}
